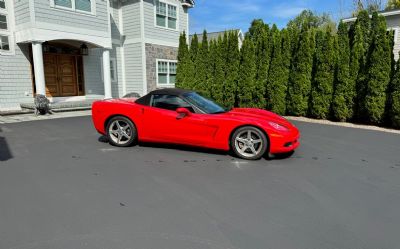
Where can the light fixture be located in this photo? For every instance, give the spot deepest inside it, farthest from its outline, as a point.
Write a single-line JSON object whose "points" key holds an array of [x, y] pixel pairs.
{"points": [[84, 49]]}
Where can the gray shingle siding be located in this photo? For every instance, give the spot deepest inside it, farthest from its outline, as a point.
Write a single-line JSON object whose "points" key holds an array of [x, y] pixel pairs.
{"points": [[92, 72], [131, 18], [15, 78], [46, 14], [134, 70], [22, 13]]}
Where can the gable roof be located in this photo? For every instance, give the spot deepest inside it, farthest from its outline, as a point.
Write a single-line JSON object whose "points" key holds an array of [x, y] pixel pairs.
{"points": [[383, 13]]}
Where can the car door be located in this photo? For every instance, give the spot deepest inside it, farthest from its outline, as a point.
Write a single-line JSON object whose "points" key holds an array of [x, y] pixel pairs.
{"points": [[162, 124]]}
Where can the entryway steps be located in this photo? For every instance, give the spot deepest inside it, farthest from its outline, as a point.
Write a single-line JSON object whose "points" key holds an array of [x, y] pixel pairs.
{"points": [[63, 106]]}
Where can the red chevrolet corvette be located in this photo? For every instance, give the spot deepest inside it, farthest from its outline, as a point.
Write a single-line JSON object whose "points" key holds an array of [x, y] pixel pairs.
{"points": [[185, 117]]}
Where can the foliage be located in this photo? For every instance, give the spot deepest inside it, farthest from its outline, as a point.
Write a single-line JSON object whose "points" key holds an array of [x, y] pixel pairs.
{"points": [[379, 67], [344, 89], [324, 72], [183, 63], [201, 65], [370, 6], [247, 75], [300, 75], [394, 98], [392, 4], [232, 61]]}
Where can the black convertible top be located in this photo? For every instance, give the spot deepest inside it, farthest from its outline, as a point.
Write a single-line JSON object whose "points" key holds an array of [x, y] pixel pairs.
{"points": [[145, 100]]}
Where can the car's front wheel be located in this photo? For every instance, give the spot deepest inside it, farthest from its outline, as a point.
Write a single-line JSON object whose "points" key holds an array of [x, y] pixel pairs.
{"points": [[121, 131], [249, 143]]}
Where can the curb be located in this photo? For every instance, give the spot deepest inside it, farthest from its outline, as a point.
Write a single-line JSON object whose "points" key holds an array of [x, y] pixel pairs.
{"points": [[343, 124]]}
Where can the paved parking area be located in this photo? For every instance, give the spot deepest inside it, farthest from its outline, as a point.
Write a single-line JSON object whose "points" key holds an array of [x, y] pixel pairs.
{"points": [[62, 186]]}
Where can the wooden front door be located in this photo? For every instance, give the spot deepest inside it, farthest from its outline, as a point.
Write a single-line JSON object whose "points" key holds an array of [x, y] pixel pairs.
{"points": [[60, 75]]}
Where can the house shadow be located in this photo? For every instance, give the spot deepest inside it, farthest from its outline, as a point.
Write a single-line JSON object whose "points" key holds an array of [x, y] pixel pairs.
{"points": [[5, 152]]}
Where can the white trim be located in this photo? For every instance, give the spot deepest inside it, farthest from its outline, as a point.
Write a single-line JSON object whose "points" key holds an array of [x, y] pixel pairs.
{"points": [[142, 36], [122, 49], [396, 33], [168, 73], [166, 16], [152, 41], [73, 8], [387, 13], [32, 11]]}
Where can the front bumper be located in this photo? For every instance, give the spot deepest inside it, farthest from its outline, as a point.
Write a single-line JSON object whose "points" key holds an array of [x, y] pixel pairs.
{"points": [[283, 143]]}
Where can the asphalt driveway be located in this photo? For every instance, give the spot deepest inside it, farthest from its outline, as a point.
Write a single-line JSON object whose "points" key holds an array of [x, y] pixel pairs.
{"points": [[62, 186]]}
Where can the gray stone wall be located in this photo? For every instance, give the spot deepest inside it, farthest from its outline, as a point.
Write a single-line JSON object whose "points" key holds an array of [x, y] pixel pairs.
{"points": [[154, 52]]}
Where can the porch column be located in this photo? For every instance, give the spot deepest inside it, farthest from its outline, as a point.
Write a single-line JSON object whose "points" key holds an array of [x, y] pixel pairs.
{"points": [[37, 53], [107, 74]]}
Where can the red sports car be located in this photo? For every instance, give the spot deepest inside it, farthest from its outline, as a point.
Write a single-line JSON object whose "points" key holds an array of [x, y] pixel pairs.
{"points": [[185, 117]]}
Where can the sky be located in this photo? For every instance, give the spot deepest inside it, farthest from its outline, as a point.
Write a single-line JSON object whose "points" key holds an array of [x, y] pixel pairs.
{"points": [[219, 15]]}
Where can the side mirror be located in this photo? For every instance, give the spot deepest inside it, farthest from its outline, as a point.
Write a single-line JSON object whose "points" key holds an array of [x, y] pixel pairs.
{"points": [[182, 112]]}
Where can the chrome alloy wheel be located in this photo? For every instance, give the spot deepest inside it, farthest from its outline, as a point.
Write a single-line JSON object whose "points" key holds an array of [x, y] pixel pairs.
{"points": [[120, 132], [248, 143]]}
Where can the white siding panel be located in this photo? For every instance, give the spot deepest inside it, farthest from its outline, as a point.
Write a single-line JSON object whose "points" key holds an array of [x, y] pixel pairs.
{"points": [[98, 22], [21, 10], [131, 18], [15, 79], [134, 67]]}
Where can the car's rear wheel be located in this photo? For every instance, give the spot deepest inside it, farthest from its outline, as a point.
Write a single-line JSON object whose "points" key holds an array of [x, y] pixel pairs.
{"points": [[121, 131], [249, 143]]}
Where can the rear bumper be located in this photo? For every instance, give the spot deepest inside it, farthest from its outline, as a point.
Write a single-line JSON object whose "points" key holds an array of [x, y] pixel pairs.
{"points": [[285, 143]]}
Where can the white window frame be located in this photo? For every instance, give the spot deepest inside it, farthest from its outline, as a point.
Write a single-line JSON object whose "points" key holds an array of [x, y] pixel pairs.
{"points": [[8, 12], [73, 7], [168, 74], [114, 75], [166, 24]]}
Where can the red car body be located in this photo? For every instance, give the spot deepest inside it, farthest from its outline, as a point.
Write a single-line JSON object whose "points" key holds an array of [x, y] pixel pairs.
{"points": [[197, 129]]}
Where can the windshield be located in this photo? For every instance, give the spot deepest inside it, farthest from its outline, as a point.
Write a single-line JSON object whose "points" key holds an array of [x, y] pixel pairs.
{"points": [[204, 104]]}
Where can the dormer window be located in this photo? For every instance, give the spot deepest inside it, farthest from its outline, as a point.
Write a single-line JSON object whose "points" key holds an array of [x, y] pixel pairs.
{"points": [[84, 6], [166, 15], [4, 28]]}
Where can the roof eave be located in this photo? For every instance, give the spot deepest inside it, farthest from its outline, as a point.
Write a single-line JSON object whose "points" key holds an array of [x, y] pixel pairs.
{"points": [[387, 13]]}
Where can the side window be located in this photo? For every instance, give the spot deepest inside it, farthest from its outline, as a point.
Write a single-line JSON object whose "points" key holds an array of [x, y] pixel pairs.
{"points": [[169, 102]]}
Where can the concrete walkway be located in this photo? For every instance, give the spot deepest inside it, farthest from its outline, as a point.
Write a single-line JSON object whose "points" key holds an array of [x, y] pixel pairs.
{"points": [[32, 117]]}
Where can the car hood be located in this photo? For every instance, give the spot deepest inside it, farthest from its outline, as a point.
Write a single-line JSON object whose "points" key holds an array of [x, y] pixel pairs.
{"points": [[259, 114]]}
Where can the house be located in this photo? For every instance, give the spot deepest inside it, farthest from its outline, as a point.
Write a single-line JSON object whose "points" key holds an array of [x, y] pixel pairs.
{"points": [[393, 23], [215, 35], [87, 49]]}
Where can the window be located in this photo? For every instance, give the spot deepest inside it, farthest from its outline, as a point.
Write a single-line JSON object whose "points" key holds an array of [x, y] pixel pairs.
{"points": [[169, 102], [3, 22], [2, 4], [166, 73], [113, 69], [75, 5], [166, 15], [4, 44]]}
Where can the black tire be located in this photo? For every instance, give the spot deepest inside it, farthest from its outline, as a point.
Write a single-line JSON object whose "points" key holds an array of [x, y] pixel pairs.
{"points": [[125, 132], [249, 147]]}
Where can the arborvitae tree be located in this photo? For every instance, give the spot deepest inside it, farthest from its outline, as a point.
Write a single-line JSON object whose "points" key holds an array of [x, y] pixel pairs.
{"points": [[300, 76], [394, 98], [191, 68], [247, 75], [232, 61], [183, 62], [202, 65], [217, 91], [324, 75], [392, 4], [212, 59], [256, 29], [364, 33], [378, 71], [274, 39], [262, 49], [344, 90], [277, 80]]}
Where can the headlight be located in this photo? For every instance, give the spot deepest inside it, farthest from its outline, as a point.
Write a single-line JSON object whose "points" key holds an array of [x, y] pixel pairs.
{"points": [[278, 126]]}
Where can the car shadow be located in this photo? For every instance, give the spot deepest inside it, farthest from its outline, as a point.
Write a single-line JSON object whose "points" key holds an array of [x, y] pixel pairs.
{"points": [[268, 157], [5, 152]]}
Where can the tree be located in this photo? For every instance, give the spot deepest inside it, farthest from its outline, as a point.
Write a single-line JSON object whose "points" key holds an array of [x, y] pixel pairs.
{"points": [[247, 75], [394, 98], [324, 72], [300, 75], [392, 4], [219, 54], [344, 89], [232, 61], [256, 29], [378, 71], [262, 50], [183, 62], [278, 73], [202, 65]]}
